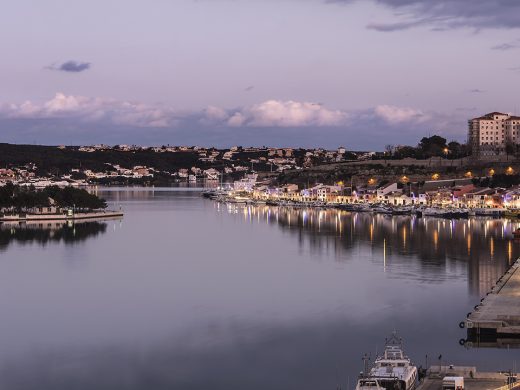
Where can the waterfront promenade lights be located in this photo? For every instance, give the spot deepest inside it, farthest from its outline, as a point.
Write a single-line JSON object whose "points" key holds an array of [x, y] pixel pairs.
{"points": [[468, 174], [436, 176], [510, 171], [445, 151], [371, 181], [491, 172], [405, 179]]}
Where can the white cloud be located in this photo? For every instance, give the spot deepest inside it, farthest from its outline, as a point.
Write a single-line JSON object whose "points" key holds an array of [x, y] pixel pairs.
{"points": [[290, 113], [394, 115], [93, 109]]}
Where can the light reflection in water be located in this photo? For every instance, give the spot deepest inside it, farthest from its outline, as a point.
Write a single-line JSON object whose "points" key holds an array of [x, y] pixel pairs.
{"points": [[479, 242]]}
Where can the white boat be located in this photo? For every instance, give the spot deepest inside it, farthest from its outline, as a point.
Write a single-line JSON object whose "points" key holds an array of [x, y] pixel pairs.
{"points": [[391, 371]]}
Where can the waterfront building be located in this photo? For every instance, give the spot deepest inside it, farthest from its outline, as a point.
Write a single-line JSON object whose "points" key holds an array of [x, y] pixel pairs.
{"points": [[493, 134], [246, 184]]}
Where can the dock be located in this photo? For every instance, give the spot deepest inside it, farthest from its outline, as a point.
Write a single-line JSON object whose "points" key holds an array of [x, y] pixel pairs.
{"points": [[473, 380], [61, 217], [495, 321]]}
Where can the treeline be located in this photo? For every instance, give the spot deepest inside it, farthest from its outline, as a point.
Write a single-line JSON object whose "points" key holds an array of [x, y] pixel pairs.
{"points": [[25, 198], [434, 146]]}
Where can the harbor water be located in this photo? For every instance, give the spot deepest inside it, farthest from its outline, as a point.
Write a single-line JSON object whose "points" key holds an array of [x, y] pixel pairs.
{"points": [[187, 293]]}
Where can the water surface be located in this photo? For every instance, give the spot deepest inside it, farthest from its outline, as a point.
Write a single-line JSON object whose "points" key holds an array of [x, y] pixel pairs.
{"points": [[186, 293]]}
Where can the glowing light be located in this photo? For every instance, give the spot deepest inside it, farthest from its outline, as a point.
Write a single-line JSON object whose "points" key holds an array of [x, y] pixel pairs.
{"points": [[384, 254], [436, 176], [468, 174], [491, 172], [371, 181], [510, 171], [405, 179]]}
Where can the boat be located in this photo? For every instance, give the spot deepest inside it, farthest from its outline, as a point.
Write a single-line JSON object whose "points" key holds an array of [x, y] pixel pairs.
{"points": [[391, 371], [489, 211]]}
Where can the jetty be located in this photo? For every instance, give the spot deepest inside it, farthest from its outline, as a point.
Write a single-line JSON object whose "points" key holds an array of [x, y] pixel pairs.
{"points": [[71, 216], [473, 379], [495, 321]]}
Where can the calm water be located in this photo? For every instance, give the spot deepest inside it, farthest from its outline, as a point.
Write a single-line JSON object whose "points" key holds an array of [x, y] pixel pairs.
{"points": [[184, 293]]}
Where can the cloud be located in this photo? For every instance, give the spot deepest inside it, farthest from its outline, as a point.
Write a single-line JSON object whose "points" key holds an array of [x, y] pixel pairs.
{"points": [[288, 114], [507, 46], [448, 14], [81, 119], [89, 109], [395, 115], [71, 66]]}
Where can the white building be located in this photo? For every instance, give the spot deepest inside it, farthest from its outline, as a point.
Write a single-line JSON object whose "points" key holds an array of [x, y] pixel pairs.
{"points": [[490, 134]]}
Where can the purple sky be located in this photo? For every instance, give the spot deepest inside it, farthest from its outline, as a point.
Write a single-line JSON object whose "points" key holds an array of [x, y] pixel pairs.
{"points": [[254, 72]]}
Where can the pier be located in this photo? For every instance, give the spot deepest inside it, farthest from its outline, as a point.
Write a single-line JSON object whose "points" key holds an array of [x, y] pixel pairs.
{"points": [[495, 322], [473, 380], [61, 217]]}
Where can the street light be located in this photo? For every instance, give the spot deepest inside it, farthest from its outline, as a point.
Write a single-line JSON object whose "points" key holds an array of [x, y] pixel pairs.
{"points": [[436, 176]]}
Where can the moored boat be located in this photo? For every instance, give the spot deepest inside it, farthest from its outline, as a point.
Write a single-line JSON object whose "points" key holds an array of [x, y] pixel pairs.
{"points": [[391, 371]]}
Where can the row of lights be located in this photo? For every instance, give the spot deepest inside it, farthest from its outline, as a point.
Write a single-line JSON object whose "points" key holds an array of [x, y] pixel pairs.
{"points": [[436, 176]]}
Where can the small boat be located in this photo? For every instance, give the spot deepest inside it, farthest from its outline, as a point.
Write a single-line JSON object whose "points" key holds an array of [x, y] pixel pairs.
{"points": [[391, 371]]}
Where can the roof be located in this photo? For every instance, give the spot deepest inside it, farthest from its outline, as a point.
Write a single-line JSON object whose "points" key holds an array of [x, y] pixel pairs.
{"points": [[491, 115]]}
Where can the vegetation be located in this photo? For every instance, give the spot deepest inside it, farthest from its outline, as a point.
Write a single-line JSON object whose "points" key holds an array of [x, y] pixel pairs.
{"points": [[25, 198], [434, 146], [498, 180]]}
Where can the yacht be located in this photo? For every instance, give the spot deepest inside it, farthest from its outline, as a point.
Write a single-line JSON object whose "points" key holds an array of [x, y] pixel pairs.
{"points": [[391, 371]]}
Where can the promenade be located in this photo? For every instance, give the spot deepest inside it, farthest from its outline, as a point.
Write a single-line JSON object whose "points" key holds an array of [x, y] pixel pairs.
{"points": [[495, 322]]}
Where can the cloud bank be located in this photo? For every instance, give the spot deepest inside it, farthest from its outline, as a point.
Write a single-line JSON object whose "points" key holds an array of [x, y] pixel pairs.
{"points": [[82, 119], [448, 14]]}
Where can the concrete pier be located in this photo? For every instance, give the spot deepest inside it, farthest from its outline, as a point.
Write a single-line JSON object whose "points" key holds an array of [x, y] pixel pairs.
{"points": [[495, 322], [61, 217], [473, 380]]}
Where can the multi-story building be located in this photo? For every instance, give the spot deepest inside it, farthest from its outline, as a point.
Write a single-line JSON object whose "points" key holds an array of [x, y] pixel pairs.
{"points": [[491, 134]]}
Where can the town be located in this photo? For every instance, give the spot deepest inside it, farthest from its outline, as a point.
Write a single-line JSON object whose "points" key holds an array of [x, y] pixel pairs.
{"points": [[478, 177]]}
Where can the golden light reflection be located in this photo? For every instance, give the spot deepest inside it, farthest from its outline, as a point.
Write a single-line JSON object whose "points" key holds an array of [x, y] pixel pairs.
{"points": [[404, 237], [469, 244], [509, 252], [384, 254], [371, 232], [491, 247], [435, 238]]}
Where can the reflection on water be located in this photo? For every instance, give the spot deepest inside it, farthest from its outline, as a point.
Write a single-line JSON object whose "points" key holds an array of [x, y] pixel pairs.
{"points": [[190, 294], [486, 245], [44, 233]]}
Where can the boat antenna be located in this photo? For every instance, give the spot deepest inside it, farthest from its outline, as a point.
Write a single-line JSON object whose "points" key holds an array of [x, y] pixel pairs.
{"points": [[366, 359]]}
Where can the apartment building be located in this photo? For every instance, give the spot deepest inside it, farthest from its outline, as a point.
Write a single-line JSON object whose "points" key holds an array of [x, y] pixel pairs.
{"points": [[489, 135]]}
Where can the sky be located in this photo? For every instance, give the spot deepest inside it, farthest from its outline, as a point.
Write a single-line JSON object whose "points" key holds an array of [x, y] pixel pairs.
{"points": [[356, 73]]}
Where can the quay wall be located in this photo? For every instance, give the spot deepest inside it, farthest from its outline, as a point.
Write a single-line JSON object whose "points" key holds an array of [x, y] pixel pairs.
{"points": [[61, 217]]}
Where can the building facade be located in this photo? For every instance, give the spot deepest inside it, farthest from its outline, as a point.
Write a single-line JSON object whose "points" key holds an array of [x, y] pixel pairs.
{"points": [[493, 134]]}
